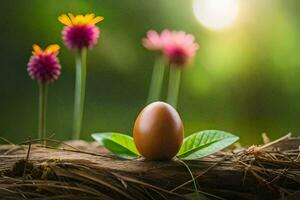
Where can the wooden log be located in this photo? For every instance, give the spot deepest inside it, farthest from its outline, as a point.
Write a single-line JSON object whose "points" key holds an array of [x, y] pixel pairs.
{"points": [[90, 172]]}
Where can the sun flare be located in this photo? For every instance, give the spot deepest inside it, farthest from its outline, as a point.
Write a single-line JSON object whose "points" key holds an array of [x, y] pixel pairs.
{"points": [[216, 14]]}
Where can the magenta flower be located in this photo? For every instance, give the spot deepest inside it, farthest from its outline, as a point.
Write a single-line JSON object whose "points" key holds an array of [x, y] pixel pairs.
{"points": [[44, 65], [80, 31], [80, 36]]}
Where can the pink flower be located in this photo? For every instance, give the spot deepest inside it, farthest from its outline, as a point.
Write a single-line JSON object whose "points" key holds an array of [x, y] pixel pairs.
{"points": [[153, 41], [178, 47], [80, 31], [44, 65]]}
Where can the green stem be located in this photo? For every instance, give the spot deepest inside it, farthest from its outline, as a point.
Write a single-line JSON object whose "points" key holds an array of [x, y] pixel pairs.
{"points": [[156, 80], [43, 87], [173, 88], [79, 92]]}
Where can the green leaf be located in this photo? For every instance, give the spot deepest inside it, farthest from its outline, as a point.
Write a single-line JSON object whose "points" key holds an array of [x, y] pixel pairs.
{"points": [[205, 143], [121, 145]]}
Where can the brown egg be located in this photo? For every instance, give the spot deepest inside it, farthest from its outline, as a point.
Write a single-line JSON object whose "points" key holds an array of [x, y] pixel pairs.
{"points": [[158, 132]]}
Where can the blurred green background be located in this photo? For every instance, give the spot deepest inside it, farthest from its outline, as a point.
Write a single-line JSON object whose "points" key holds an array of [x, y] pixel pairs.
{"points": [[245, 78]]}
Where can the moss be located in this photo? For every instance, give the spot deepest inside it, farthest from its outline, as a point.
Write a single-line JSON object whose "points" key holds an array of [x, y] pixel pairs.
{"points": [[48, 173], [20, 165], [43, 171]]}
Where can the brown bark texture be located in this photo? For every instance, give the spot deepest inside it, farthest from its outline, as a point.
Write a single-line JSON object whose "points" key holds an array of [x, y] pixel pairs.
{"points": [[82, 170]]}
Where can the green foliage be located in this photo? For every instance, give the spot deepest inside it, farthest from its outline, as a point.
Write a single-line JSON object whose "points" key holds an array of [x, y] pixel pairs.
{"points": [[120, 144], [204, 143]]}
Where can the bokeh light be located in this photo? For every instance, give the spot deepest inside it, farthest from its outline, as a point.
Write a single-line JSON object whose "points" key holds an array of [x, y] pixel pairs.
{"points": [[216, 14]]}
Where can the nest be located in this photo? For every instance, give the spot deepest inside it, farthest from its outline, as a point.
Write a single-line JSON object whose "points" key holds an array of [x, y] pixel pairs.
{"points": [[82, 170]]}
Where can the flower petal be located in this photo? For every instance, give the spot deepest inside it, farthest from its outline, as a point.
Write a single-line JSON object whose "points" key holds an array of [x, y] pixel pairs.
{"points": [[72, 18], [96, 20], [53, 48], [36, 49], [79, 20], [64, 19], [89, 17]]}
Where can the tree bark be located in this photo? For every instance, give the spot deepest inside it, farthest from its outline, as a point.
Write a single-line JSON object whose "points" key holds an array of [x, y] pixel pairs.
{"points": [[90, 172]]}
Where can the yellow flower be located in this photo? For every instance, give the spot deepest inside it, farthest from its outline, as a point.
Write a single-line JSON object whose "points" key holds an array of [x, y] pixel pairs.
{"points": [[79, 20], [52, 48]]}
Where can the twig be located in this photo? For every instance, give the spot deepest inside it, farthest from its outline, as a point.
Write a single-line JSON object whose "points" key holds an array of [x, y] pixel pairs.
{"points": [[276, 141], [26, 161]]}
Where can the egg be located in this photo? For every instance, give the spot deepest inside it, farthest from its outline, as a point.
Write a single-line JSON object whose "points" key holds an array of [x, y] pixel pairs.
{"points": [[158, 132]]}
